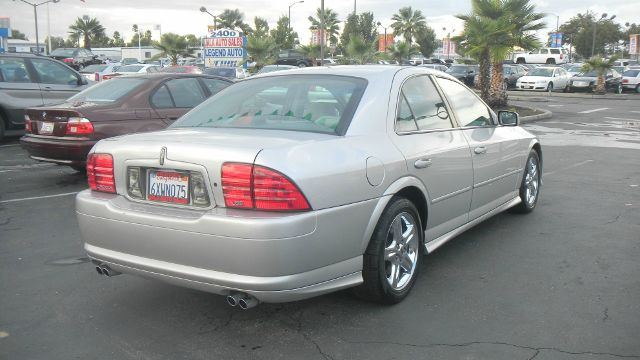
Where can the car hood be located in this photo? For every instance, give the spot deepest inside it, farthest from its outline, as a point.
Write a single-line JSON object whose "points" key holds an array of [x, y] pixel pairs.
{"points": [[534, 78]]}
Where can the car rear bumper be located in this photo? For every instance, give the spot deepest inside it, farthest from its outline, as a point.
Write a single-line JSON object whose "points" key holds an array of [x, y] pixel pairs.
{"points": [[57, 150], [531, 87], [274, 257]]}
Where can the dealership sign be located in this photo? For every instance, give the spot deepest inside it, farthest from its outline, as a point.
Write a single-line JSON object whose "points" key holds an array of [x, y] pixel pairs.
{"points": [[633, 44], [224, 48]]}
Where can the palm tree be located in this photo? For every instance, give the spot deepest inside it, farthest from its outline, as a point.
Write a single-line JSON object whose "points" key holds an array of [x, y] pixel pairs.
{"points": [[310, 51], [359, 49], [601, 67], [408, 22], [401, 51], [233, 20], [173, 46], [87, 27], [261, 49], [331, 27]]}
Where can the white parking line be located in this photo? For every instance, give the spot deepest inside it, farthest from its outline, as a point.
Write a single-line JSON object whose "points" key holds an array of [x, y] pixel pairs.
{"points": [[556, 105], [1, 146], [634, 111], [568, 167], [592, 111], [38, 197], [8, 168], [615, 118]]}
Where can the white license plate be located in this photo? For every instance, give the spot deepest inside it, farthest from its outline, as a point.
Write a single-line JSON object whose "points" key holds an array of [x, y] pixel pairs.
{"points": [[46, 128], [530, 87], [580, 83], [168, 186]]}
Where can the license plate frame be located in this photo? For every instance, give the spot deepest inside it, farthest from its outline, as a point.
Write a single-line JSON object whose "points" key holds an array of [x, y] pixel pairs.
{"points": [[46, 128], [168, 186]]}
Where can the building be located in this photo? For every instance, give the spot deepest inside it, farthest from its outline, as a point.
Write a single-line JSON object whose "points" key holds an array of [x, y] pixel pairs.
{"points": [[5, 32], [16, 45]]}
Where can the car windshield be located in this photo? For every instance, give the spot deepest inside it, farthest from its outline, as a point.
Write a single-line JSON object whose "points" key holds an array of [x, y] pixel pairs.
{"points": [[108, 91], [94, 68], [272, 68], [575, 68], [131, 68], [591, 73], [540, 72], [63, 52], [457, 69], [631, 73], [224, 72], [313, 103]]}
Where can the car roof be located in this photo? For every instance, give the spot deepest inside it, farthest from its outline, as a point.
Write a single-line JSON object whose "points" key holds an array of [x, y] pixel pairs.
{"points": [[369, 72], [22, 55], [161, 75]]}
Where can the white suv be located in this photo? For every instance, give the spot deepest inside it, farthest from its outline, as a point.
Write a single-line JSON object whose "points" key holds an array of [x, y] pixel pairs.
{"points": [[542, 56]]}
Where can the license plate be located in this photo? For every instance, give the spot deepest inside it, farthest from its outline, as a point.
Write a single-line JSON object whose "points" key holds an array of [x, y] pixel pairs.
{"points": [[168, 186], [46, 128], [530, 87], [579, 83]]}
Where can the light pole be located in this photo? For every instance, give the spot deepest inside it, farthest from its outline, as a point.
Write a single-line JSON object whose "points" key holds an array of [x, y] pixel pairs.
{"points": [[354, 7], [595, 25], [321, 31], [35, 15], [385, 35], [448, 40], [289, 18], [215, 18]]}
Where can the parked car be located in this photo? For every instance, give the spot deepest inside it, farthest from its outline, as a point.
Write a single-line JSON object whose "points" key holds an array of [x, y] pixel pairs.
{"points": [[574, 69], [229, 73], [621, 69], [133, 69], [542, 56], [511, 74], [292, 57], [64, 133], [96, 72], [271, 68], [77, 58], [129, 61], [28, 80], [631, 80], [587, 81], [294, 184], [546, 78], [464, 73], [439, 67], [182, 69]]}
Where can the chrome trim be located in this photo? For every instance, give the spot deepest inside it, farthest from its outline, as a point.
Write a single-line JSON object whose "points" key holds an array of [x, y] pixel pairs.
{"points": [[496, 178], [432, 245], [51, 160], [450, 195], [50, 137]]}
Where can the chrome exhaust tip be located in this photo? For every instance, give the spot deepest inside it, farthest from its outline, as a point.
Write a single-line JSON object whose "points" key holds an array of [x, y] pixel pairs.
{"points": [[247, 302], [107, 271], [99, 270], [233, 299]]}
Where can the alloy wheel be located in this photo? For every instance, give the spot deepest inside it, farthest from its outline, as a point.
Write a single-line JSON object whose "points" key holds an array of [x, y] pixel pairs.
{"points": [[401, 251], [531, 182]]}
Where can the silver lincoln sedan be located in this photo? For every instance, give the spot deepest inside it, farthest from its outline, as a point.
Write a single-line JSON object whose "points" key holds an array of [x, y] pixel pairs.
{"points": [[297, 183]]}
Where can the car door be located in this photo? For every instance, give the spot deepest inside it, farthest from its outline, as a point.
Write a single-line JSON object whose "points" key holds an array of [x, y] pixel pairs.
{"points": [[436, 153], [18, 88], [494, 149], [563, 77], [175, 97], [57, 81]]}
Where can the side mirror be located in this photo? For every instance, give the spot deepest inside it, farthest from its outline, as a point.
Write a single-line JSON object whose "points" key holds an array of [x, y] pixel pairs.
{"points": [[508, 118], [82, 80]]}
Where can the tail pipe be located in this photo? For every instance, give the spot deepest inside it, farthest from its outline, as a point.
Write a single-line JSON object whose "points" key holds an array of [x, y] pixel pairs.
{"points": [[243, 300], [104, 269]]}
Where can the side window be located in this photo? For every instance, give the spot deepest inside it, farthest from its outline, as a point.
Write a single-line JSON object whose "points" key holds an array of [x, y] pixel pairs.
{"points": [[161, 98], [404, 119], [214, 85], [53, 73], [14, 70], [186, 93], [555, 51], [468, 108], [425, 105]]}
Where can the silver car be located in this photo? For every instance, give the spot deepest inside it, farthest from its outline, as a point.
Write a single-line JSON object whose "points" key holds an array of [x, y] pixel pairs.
{"points": [[298, 183]]}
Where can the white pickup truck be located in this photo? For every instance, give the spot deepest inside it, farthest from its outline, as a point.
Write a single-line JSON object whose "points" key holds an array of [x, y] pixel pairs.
{"points": [[542, 56]]}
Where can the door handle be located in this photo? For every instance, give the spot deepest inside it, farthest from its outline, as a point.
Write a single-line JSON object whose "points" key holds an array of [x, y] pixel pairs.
{"points": [[422, 163], [480, 150]]}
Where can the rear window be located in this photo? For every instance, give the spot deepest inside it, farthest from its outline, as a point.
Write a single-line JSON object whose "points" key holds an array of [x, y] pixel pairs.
{"points": [[130, 68], [313, 103], [94, 68], [63, 52], [108, 91], [631, 73], [457, 69], [224, 72]]}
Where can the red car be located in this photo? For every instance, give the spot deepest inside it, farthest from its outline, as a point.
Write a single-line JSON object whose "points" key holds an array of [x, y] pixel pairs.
{"points": [[64, 133]]}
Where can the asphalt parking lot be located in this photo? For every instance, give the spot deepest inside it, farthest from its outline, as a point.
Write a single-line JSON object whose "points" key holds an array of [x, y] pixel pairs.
{"points": [[560, 283]]}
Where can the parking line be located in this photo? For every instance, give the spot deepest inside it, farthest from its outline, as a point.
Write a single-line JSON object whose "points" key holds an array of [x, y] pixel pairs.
{"points": [[1, 146], [634, 111], [592, 111], [568, 167], [38, 197], [615, 118]]}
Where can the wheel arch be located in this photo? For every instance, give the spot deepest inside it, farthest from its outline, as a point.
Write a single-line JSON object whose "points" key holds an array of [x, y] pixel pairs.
{"points": [[535, 145], [408, 187]]}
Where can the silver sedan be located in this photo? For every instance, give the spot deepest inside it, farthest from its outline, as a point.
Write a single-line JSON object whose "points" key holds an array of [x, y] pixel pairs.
{"points": [[298, 183]]}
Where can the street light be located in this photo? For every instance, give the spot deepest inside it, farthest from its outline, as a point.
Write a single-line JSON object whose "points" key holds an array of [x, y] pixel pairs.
{"points": [[35, 15], [595, 25], [385, 35], [215, 18], [289, 18], [448, 40]]}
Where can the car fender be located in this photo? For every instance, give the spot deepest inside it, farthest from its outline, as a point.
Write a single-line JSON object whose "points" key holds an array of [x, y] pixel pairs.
{"points": [[383, 201], [533, 143]]}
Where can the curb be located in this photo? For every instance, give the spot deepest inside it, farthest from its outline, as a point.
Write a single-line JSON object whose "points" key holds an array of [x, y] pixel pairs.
{"points": [[546, 114]]}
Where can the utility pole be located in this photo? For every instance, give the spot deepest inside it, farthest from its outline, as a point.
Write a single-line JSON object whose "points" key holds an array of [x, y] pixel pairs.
{"points": [[321, 31]]}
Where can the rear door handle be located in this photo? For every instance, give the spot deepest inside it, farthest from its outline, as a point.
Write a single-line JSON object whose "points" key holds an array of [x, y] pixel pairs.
{"points": [[480, 150], [422, 163]]}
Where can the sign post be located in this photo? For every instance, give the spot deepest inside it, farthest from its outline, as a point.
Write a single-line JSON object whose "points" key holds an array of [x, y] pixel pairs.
{"points": [[634, 46], [225, 48]]}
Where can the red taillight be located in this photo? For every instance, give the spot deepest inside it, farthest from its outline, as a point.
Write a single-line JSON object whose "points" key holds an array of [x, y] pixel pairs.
{"points": [[28, 127], [79, 126], [625, 81], [561, 56], [106, 77], [68, 60], [247, 186], [96, 77], [100, 173]]}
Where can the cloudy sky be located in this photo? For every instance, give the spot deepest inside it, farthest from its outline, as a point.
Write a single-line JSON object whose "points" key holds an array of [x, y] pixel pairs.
{"points": [[183, 16]]}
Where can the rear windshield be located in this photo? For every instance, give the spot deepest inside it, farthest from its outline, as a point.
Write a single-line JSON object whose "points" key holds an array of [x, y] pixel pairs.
{"points": [[313, 103], [94, 68], [63, 52], [108, 91], [631, 73], [224, 72], [131, 68], [457, 69]]}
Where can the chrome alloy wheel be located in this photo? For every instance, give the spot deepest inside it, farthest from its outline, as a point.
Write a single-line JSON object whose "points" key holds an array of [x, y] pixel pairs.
{"points": [[401, 251], [531, 182]]}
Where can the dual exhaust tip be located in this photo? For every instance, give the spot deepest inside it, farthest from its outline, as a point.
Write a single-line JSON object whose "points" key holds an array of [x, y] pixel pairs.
{"points": [[104, 269], [244, 301]]}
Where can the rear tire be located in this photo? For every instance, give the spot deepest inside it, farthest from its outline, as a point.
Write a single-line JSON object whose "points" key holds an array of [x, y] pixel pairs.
{"points": [[638, 88], [530, 184], [80, 169], [301, 65], [619, 89], [551, 61], [520, 61], [392, 259], [2, 126]]}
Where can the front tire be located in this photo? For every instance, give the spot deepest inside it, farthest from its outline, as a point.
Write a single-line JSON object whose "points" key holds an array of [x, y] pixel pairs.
{"points": [[550, 87], [638, 88], [530, 184], [392, 259], [619, 89]]}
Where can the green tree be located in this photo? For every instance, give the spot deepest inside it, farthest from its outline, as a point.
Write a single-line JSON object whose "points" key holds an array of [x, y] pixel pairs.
{"points": [[261, 27], [173, 46], [261, 49], [600, 66], [331, 27], [360, 50], [282, 36], [427, 42], [16, 34], [310, 51], [116, 40], [408, 23], [56, 42], [233, 20], [579, 32], [192, 40], [401, 51], [88, 28], [363, 26]]}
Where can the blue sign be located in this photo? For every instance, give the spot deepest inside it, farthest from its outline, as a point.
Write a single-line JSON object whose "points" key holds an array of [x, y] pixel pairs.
{"points": [[555, 40]]}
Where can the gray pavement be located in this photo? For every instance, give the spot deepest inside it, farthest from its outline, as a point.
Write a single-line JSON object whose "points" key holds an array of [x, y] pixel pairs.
{"points": [[560, 283]]}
